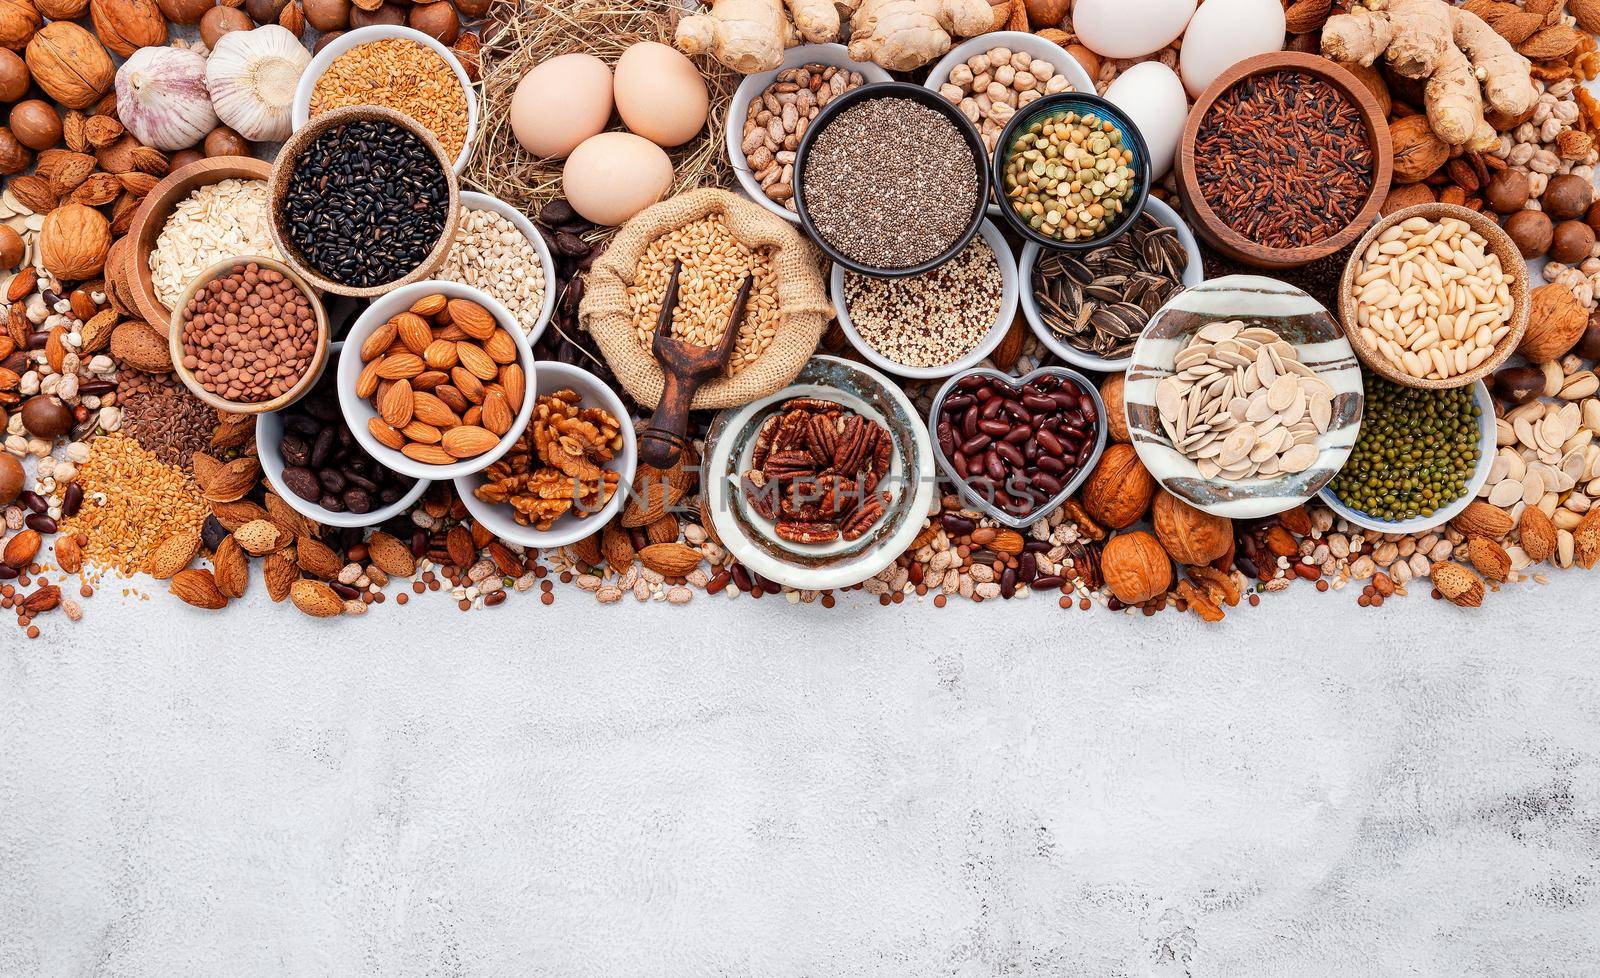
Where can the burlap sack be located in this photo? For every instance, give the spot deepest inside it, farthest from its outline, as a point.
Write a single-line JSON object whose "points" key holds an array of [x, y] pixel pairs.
{"points": [[802, 299]]}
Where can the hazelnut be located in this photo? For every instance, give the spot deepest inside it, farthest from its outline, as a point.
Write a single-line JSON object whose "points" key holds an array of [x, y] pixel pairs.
{"points": [[12, 478], [35, 124], [437, 20], [478, 9], [185, 11], [1567, 197], [222, 20], [1531, 232], [389, 14], [223, 141], [14, 77], [14, 157], [1571, 242], [45, 418], [1507, 191], [12, 248], [326, 40], [264, 11], [1592, 216], [1588, 345], [1519, 385], [183, 158], [1135, 567], [328, 15]]}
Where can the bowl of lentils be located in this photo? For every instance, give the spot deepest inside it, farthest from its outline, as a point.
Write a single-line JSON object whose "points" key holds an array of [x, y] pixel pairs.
{"points": [[1423, 455], [877, 208], [364, 200], [1072, 171]]}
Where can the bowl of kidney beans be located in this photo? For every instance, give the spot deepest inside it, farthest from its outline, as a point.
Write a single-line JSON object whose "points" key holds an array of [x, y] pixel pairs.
{"points": [[312, 460], [1016, 448]]}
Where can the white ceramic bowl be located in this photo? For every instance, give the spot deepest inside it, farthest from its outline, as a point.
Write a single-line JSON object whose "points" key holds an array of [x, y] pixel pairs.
{"points": [[300, 112], [569, 529], [484, 202], [997, 330], [269, 433], [1193, 275], [753, 85], [1480, 475], [910, 481], [1033, 44], [358, 410]]}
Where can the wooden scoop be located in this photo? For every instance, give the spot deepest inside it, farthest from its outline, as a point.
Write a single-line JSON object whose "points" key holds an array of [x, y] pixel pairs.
{"points": [[686, 366]]}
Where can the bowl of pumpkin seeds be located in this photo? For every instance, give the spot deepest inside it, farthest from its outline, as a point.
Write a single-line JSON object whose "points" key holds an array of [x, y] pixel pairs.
{"points": [[1089, 307]]}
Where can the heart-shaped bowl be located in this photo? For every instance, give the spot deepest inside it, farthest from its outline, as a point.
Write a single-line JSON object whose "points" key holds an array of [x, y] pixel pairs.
{"points": [[910, 480], [1299, 320], [984, 501]]}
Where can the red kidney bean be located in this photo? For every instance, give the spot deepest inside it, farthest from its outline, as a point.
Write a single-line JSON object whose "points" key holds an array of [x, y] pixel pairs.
{"points": [[1049, 582], [975, 444], [955, 525], [33, 501], [40, 522]]}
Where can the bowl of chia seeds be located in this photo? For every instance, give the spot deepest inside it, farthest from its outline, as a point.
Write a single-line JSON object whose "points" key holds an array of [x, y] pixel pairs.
{"points": [[363, 201], [873, 205]]}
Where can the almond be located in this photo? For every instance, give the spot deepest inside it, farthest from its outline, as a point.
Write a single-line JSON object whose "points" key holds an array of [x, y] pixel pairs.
{"points": [[474, 320], [1459, 586], [315, 599], [21, 549], [390, 555], [1490, 559], [414, 332], [670, 559], [379, 340], [1306, 16], [1007, 542], [502, 349], [440, 355], [279, 572], [1587, 12], [69, 553], [428, 409], [427, 454], [285, 516], [237, 514], [616, 548], [34, 194], [22, 286], [428, 306], [173, 554], [367, 380], [100, 188], [401, 366], [466, 441], [44, 599], [653, 493], [198, 587], [588, 551], [664, 530], [97, 330], [505, 559], [232, 481], [468, 384], [477, 362], [515, 384], [138, 184], [1537, 534], [452, 397], [497, 415], [258, 537], [230, 568], [397, 405], [317, 558], [1480, 519], [427, 434], [430, 379], [460, 546], [137, 344], [1586, 540], [1556, 41]]}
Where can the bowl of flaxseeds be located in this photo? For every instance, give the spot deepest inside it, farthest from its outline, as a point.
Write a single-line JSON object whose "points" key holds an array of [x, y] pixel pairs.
{"points": [[877, 208], [363, 200]]}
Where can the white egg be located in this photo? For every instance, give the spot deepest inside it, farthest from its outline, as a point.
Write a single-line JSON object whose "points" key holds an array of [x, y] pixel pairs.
{"points": [[1152, 96], [1224, 33], [1130, 28]]}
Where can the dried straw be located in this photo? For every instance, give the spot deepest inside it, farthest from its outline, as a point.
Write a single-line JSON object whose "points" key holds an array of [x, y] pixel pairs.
{"points": [[522, 33]]}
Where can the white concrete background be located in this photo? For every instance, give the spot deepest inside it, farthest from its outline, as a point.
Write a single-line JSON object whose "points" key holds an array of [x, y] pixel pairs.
{"points": [[773, 791]]}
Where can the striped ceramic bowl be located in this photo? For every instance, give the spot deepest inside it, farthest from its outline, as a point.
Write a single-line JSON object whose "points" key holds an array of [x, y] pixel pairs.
{"points": [[1298, 319]]}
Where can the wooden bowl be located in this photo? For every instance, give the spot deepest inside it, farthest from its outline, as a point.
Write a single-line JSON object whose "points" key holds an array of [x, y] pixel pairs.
{"points": [[1500, 245], [1225, 239], [152, 216], [289, 158], [319, 359]]}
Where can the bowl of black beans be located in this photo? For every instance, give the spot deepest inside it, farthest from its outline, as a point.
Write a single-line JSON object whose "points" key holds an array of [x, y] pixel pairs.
{"points": [[313, 461], [364, 200]]}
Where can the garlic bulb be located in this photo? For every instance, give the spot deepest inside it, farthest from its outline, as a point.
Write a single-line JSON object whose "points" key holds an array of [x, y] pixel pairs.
{"points": [[162, 97], [252, 76]]}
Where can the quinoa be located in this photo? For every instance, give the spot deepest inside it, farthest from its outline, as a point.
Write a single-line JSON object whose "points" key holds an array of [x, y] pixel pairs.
{"points": [[931, 319]]}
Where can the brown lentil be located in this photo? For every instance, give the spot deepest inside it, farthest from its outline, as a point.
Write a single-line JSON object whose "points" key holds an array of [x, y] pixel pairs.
{"points": [[1283, 159], [404, 76], [249, 334]]}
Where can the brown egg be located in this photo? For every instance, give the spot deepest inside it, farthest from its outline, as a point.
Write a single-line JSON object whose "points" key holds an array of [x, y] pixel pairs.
{"points": [[12, 248], [1567, 197], [223, 141], [45, 418], [1571, 241], [1530, 231], [437, 20], [11, 478], [328, 15], [14, 77], [222, 20], [35, 124]]}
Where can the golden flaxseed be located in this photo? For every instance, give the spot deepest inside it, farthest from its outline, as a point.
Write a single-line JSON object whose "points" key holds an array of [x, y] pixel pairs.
{"points": [[131, 503], [401, 75]]}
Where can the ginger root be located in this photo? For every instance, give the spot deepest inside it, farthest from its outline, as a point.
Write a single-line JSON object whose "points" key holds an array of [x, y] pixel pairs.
{"points": [[748, 36], [901, 35], [1454, 50]]}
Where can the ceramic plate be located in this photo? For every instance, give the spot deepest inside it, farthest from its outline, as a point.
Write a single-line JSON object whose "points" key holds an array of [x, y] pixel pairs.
{"points": [[1298, 319], [909, 481]]}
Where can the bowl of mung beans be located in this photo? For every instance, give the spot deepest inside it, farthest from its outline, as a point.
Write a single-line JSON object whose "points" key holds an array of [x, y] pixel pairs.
{"points": [[1422, 457], [1071, 171]]}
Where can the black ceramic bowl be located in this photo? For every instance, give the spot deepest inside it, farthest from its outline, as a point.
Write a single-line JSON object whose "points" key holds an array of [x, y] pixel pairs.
{"points": [[915, 93], [1057, 104]]}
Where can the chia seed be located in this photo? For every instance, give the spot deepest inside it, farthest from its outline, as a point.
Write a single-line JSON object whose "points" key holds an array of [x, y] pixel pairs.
{"points": [[366, 203], [890, 183]]}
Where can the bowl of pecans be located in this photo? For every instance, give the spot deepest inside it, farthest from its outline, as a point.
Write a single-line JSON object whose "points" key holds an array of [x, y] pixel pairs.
{"points": [[435, 380], [568, 472]]}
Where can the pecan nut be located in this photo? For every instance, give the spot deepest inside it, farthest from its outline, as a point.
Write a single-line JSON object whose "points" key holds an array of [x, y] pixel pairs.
{"points": [[800, 531]]}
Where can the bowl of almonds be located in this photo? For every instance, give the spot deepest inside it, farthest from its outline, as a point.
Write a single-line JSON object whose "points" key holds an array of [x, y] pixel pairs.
{"points": [[1244, 398], [436, 380]]}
